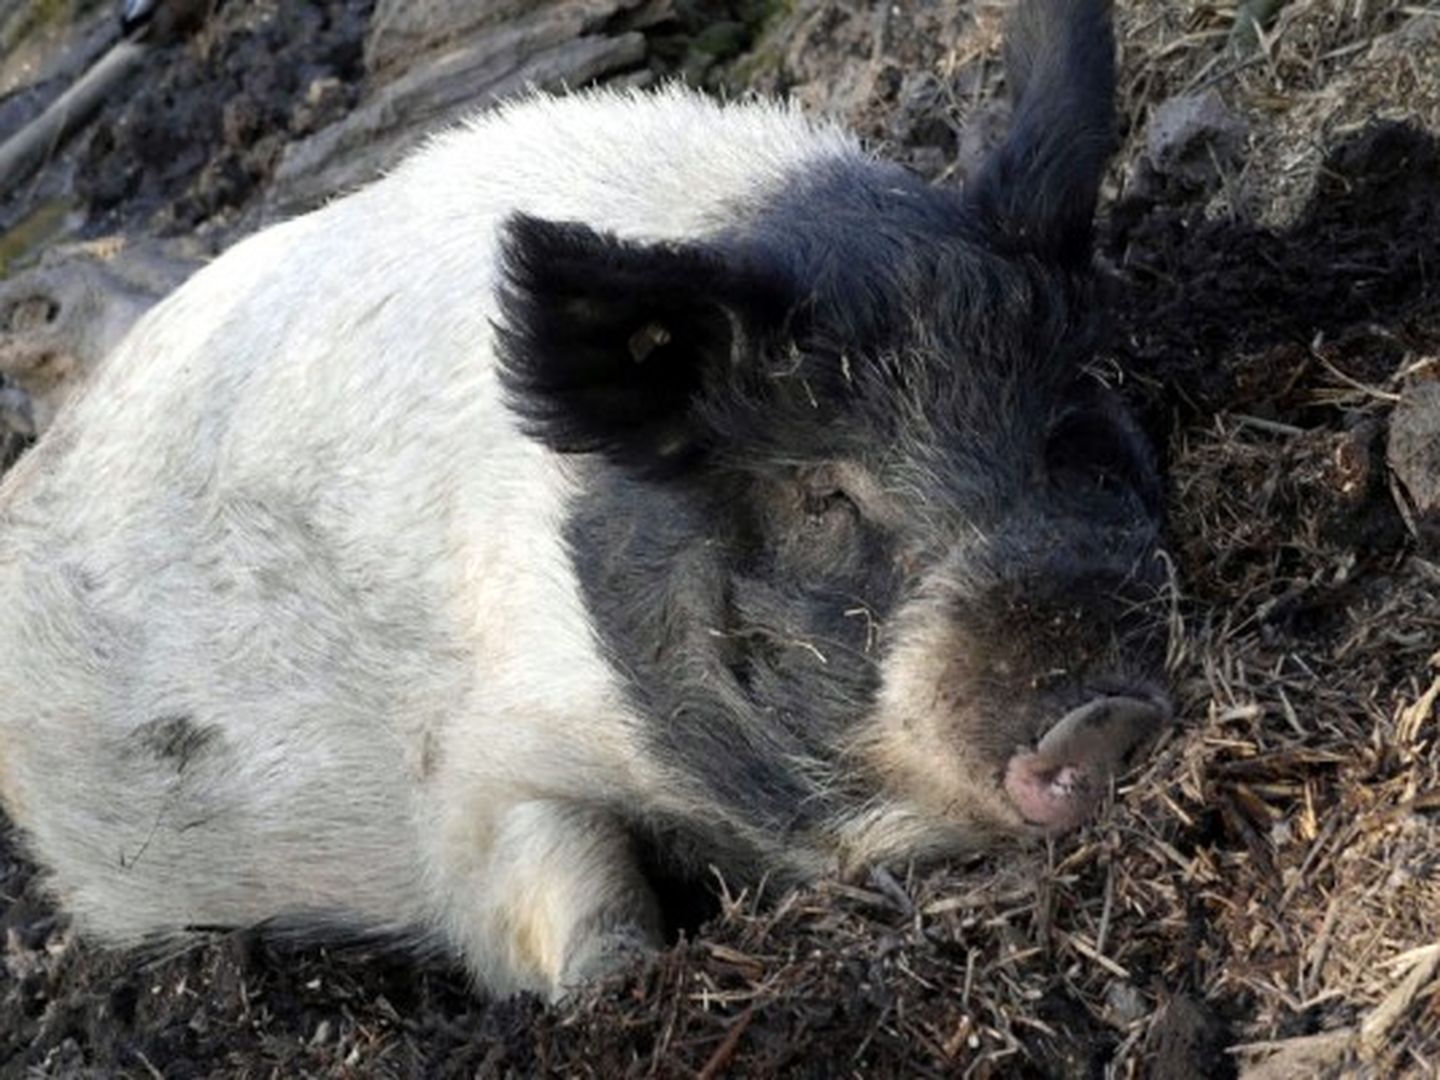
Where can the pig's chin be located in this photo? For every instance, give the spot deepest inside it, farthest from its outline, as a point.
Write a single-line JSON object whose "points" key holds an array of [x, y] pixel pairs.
{"points": [[1059, 784]]}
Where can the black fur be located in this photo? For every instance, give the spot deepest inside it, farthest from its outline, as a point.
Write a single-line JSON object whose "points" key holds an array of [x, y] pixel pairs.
{"points": [[607, 343]]}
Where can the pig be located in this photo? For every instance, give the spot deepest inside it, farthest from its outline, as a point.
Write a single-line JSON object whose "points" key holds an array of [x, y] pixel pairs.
{"points": [[626, 480]]}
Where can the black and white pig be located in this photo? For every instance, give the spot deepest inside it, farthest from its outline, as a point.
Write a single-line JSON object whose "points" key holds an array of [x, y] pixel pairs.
{"points": [[624, 471]]}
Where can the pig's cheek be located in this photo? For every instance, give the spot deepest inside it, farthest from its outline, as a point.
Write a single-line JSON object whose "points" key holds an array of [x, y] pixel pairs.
{"points": [[922, 738], [921, 756]]}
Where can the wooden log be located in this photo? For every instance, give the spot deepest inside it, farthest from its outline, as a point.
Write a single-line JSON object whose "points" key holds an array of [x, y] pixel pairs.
{"points": [[32, 145]]}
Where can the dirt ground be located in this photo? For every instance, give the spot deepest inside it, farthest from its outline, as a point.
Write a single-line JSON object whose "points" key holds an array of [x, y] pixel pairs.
{"points": [[1264, 897]]}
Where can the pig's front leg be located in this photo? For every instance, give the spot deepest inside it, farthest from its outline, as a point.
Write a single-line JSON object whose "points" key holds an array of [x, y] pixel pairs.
{"points": [[558, 901]]}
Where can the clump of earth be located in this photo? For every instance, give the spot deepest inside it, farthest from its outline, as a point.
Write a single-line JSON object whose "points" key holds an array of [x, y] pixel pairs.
{"points": [[192, 140]]}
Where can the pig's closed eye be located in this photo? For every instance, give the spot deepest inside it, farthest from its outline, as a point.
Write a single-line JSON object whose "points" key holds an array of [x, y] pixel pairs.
{"points": [[828, 507], [1089, 449]]}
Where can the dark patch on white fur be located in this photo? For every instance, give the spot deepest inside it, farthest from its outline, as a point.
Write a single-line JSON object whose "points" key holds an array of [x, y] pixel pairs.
{"points": [[176, 740]]}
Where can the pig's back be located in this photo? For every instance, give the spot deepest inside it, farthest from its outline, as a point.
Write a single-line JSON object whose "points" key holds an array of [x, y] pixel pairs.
{"points": [[364, 332]]}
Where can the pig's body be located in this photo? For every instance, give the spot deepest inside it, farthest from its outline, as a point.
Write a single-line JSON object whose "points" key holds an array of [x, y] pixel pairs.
{"points": [[313, 632], [299, 622]]}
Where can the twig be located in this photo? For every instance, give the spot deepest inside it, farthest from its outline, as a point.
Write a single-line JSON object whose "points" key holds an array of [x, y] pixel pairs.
{"points": [[1375, 1027], [726, 1050]]}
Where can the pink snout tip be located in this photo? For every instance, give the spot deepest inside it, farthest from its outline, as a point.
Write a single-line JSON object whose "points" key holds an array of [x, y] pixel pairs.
{"points": [[1059, 784]]}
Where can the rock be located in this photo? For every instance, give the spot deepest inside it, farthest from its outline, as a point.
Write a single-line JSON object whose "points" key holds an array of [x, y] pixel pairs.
{"points": [[1191, 142], [1413, 455], [1185, 131], [403, 30], [404, 33], [1124, 1005], [59, 320]]}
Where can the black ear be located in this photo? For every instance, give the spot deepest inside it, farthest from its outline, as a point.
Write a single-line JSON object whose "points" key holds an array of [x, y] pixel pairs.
{"points": [[606, 345], [1038, 190]]}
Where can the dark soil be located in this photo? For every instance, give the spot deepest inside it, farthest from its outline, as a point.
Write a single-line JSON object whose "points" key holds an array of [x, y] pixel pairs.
{"points": [[1219, 315], [194, 137], [845, 976], [205, 124], [1206, 296]]}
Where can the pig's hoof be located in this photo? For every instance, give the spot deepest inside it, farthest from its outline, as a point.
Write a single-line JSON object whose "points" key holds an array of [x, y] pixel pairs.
{"points": [[603, 954]]}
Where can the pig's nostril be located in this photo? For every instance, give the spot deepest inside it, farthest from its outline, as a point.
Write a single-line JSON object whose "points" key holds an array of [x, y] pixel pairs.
{"points": [[1059, 783]]}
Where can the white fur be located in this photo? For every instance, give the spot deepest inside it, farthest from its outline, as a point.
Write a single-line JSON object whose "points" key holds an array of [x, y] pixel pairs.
{"points": [[291, 510]]}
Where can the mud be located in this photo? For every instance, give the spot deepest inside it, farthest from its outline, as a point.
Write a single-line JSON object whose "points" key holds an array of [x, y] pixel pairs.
{"points": [[203, 128]]}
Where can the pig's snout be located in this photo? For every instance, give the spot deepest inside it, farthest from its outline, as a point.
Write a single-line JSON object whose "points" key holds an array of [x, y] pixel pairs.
{"points": [[1061, 781]]}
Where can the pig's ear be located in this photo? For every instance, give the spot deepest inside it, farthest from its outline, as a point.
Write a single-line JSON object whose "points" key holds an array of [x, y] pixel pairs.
{"points": [[1037, 191], [606, 344]]}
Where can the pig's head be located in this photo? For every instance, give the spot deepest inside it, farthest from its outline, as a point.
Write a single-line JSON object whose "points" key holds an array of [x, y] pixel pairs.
{"points": [[874, 550]]}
